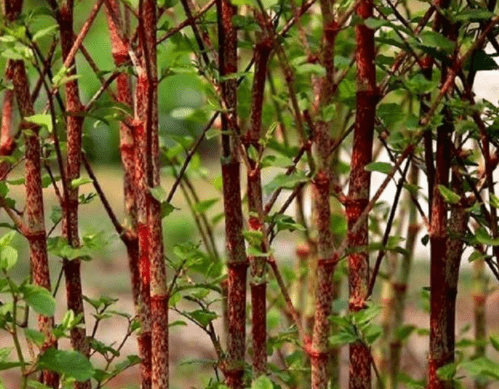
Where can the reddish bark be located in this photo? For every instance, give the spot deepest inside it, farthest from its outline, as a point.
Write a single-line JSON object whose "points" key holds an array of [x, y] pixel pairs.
{"points": [[322, 370], [359, 186], [35, 228], [440, 349], [36, 234], [79, 341], [255, 208], [237, 262]]}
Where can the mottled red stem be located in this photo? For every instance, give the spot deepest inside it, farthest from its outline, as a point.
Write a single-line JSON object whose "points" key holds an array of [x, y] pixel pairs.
{"points": [[440, 352], [7, 142], [258, 264], [237, 262], [322, 370], [35, 231], [79, 341], [120, 57], [158, 286], [359, 188]]}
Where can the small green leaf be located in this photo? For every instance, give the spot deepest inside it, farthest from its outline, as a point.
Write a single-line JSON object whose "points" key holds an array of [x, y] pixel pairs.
{"points": [[494, 200], [6, 239], [40, 299], [158, 193], [166, 209], [43, 120], [382, 167], [35, 336], [45, 31], [448, 195], [8, 257], [433, 39], [494, 340], [203, 317], [205, 205], [262, 382], [374, 23], [77, 182], [286, 181], [483, 237], [70, 363], [342, 338], [447, 372]]}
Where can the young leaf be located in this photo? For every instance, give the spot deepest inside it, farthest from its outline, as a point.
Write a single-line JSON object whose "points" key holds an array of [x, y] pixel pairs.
{"points": [[483, 237], [39, 298], [448, 195], [80, 181], [8, 257], [71, 363], [262, 382], [43, 120], [382, 167]]}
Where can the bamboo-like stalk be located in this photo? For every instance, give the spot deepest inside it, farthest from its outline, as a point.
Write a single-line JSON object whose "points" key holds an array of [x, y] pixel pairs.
{"points": [[255, 208], [320, 351], [35, 227], [237, 261], [359, 188]]}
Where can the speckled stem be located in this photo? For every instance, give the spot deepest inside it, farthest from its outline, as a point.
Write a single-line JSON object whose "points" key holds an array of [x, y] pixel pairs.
{"points": [[79, 341], [258, 264], [359, 188], [35, 227], [237, 263], [320, 353]]}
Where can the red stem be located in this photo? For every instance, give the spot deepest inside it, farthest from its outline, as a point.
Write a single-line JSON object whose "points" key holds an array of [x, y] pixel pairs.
{"points": [[359, 187]]}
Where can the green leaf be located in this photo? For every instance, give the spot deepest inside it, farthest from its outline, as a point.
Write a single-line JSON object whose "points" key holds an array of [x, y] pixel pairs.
{"points": [[286, 181], [374, 23], [482, 367], [494, 340], [476, 255], [44, 32], [205, 205], [448, 195], [77, 182], [469, 15], [311, 68], [166, 209], [39, 298], [481, 61], [494, 200], [382, 167], [483, 237], [262, 382], [6, 239], [71, 363], [253, 251], [35, 336], [203, 317], [447, 372], [8, 257], [158, 193], [43, 120], [435, 40], [342, 338]]}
